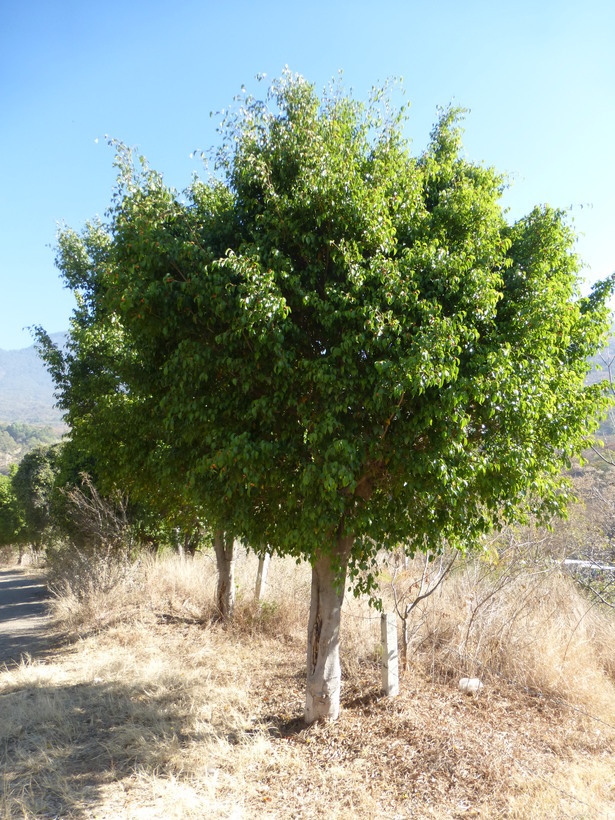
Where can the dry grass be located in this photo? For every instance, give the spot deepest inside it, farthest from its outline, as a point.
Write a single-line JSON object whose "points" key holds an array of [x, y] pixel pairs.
{"points": [[154, 711], [519, 620]]}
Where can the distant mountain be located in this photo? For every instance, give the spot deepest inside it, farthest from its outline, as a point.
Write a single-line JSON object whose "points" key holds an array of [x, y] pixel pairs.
{"points": [[26, 389]]}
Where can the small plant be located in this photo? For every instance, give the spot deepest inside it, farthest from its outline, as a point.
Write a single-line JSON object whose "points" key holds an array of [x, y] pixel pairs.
{"points": [[409, 591]]}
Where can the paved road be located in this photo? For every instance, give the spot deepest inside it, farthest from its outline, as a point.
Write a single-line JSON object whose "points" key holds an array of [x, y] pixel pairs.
{"points": [[24, 620]]}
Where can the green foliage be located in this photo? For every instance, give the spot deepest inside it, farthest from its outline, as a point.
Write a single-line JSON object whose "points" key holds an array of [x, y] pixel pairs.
{"points": [[51, 501], [332, 337], [33, 485], [28, 435], [11, 516], [114, 432]]}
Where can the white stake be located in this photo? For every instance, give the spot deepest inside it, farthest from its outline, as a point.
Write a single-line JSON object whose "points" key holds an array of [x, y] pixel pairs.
{"points": [[390, 668]]}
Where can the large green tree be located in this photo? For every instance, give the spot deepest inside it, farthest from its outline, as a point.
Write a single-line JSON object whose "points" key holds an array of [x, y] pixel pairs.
{"points": [[335, 346]]}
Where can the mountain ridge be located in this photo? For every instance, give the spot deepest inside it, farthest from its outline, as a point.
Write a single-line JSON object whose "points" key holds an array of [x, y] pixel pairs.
{"points": [[26, 388]]}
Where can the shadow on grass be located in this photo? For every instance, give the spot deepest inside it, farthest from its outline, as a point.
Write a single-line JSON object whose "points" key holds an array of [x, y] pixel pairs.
{"points": [[361, 701], [282, 726], [62, 744]]}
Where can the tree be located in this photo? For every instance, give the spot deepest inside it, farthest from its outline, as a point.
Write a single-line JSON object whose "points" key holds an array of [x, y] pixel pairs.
{"points": [[12, 528], [344, 347], [33, 485], [114, 436]]}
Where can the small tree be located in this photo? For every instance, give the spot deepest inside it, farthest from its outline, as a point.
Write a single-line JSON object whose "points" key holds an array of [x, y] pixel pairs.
{"points": [[339, 346], [409, 593], [33, 485]]}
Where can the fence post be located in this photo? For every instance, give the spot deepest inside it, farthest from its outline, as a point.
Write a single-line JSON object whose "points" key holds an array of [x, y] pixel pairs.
{"points": [[390, 666]]}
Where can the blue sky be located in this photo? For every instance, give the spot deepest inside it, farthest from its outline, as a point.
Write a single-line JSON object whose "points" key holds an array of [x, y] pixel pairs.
{"points": [[538, 78]]}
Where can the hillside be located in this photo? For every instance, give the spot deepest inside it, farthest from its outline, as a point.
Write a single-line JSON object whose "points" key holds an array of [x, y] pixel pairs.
{"points": [[26, 389], [19, 438]]}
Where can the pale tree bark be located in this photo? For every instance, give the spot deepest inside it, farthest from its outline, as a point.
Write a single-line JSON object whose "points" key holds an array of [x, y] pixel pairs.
{"points": [[226, 551], [261, 577], [180, 545], [324, 674]]}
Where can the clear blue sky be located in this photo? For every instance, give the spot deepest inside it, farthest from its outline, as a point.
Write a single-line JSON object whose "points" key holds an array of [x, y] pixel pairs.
{"points": [[538, 76]]}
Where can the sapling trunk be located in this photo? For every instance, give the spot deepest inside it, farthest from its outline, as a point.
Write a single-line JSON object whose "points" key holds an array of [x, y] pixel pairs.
{"points": [[225, 549], [404, 639], [324, 672]]}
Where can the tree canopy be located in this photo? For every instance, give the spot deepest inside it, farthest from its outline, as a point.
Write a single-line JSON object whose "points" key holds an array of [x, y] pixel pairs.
{"points": [[331, 345], [11, 516], [33, 487]]}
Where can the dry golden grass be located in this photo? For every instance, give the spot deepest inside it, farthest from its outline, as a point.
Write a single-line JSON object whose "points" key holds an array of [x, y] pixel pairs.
{"points": [[523, 622], [153, 710]]}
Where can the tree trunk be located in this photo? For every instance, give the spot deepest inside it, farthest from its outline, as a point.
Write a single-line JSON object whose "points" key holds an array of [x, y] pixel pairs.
{"points": [[225, 549], [179, 545], [191, 542], [261, 577], [322, 701], [404, 640]]}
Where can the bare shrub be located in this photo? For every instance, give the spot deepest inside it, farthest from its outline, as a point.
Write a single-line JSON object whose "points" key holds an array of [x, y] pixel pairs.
{"points": [[94, 574], [97, 523], [93, 590], [409, 592], [512, 614]]}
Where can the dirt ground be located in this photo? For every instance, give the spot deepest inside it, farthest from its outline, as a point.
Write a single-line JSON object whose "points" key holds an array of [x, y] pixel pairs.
{"points": [[152, 710]]}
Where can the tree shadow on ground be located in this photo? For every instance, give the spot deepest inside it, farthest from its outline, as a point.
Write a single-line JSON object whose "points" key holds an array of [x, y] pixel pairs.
{"points": [[283, 726], [26, 630], [63, 744], [360, 701], [22, 595]]}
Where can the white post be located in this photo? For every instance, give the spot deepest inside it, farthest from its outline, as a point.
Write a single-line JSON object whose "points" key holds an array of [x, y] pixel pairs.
{"points": [[390, 669], [261, 577]]}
